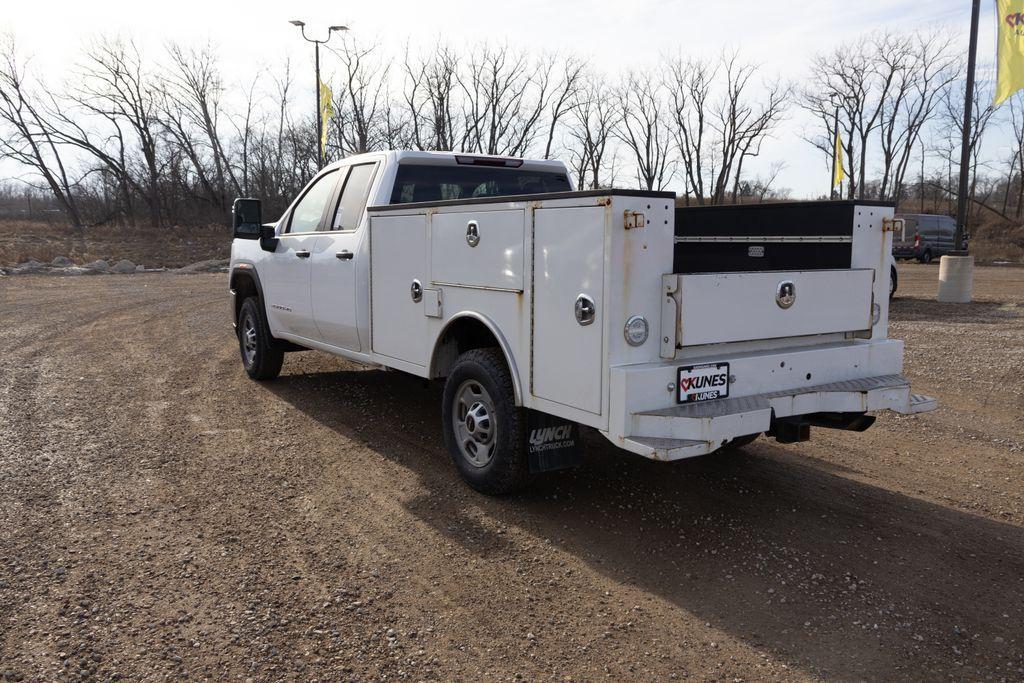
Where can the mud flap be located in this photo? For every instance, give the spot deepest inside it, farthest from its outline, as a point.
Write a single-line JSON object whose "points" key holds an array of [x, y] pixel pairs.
{"points": [[552, 443]]}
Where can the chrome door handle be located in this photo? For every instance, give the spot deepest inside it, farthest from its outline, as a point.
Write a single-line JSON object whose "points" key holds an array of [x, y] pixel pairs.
{"points": [[344, 255], [302, 254], [416, 291], [585, 310], [472, 233]]}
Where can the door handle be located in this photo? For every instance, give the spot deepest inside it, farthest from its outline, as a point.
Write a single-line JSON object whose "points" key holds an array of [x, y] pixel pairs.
{"points": [[472, 233], [585, 310], [302, 254], [344, 255]]}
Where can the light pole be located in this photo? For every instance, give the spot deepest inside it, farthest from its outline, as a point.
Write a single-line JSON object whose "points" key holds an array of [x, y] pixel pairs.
{"points": [[834, 100], [316, 83], [965, 150]]}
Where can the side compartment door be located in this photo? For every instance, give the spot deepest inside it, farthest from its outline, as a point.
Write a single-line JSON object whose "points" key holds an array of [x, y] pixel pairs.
{"points": [[568, 254], [338, 264], [398, 258]]}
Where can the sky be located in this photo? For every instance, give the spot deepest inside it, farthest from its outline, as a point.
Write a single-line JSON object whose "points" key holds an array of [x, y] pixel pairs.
{"points": [[781, 35]]}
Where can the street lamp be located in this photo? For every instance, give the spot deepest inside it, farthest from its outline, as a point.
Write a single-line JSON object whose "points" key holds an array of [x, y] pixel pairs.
{"points": [[316, 84]]}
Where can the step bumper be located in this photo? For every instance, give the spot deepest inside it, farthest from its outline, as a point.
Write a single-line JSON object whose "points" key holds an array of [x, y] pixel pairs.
{"points": [[686, 431]]}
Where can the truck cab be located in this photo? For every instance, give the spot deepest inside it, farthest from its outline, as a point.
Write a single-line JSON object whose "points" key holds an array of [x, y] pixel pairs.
{"points": [[673, 331]]}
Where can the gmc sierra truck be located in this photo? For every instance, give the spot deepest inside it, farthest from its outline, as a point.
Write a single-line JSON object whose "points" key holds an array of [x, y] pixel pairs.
{"points": [[674, 332]]}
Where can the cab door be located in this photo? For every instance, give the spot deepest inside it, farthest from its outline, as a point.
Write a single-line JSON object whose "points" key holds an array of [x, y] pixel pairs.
{"points": [[338, 267], [284, 273]]}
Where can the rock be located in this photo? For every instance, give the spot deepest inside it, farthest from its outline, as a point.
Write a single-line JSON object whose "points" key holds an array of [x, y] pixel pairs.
{"points": [[123, 266], [30, 266], [61, 262], [210, 266], [140, 268], [99, 265]]}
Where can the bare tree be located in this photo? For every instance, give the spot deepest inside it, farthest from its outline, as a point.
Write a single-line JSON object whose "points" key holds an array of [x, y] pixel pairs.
{"points": [[430, 91], [853, 78], [28, 139], [644, 131], [591, 128], [565, 97], [952, 120], [716, 130], [113, 88], [924, 66], [361, 105], [1017, 153], [190, 111], [505, 97], [690, 84]]}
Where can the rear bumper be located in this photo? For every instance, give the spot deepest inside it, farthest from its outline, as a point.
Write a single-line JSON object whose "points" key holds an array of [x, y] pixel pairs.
{"points": [[906, 253], [836, 378]]}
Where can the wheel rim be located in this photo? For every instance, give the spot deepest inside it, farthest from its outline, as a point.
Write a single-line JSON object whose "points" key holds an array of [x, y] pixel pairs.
{"points": [[474, 423], [248, 337]]}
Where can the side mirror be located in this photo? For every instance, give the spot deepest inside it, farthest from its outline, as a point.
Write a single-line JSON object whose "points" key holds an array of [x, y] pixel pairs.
{"points": [[268, 237], [247, 217]]}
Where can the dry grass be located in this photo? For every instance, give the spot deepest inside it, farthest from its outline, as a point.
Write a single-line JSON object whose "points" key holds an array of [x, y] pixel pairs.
{"points": [[170, 247], [996, 240]]}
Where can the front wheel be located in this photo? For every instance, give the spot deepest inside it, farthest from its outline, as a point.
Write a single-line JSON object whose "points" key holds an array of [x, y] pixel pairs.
{"points": [[259, 357], [482, 425], [893, 282]]}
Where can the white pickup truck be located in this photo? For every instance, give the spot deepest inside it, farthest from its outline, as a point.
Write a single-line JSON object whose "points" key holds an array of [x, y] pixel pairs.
{"points": [[674, 332]]}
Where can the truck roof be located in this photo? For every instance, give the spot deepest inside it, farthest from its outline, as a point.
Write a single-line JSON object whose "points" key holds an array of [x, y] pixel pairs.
{"points": [[458, 158]]}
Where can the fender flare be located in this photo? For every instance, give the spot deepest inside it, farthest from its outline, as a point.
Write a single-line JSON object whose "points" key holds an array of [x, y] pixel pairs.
{"points": [[246, 268], [503, 344]]}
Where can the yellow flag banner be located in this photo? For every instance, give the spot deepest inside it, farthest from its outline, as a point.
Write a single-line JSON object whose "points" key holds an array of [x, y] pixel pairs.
{"points": [[1010, 79], [326, 112], [838, 174]]}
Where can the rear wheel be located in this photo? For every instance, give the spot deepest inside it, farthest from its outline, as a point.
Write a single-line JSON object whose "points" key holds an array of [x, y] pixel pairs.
{"points": [[893, 280], [259, 357], [926, 257], [482, 425]]}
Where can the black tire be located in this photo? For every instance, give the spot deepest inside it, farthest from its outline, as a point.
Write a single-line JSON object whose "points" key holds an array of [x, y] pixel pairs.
{"points": [[260, 358], [740, 441], [488, 444], [926, 257], [893, 282]]}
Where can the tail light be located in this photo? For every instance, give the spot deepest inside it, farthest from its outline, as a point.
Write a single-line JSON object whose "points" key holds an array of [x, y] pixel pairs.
{"points": [[917, 241]]}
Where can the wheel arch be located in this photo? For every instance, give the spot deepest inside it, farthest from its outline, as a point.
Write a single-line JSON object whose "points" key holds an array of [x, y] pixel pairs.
{"points": [[244, 282], [471, 330]]}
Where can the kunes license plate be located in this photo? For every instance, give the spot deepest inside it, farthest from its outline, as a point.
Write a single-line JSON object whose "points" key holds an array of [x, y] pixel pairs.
{"points": [[697, 383]]}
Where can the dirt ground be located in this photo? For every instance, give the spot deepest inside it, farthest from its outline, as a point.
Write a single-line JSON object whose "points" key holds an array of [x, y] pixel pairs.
{"points": [[161, 516]]}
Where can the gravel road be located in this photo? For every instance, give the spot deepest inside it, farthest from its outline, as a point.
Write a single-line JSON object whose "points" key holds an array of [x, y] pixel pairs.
{"points": [[161, 517]]}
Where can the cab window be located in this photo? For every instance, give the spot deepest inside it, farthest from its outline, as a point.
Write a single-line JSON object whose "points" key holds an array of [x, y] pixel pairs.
{"points": [[307, 213], [353, 197]]}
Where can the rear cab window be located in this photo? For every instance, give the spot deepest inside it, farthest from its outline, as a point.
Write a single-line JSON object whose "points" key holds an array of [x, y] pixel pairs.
{"points": [[423, 183]]}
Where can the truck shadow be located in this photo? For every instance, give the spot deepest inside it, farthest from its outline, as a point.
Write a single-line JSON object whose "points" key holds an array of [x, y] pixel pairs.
{"points": [[831, 575], [913, 309]]}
